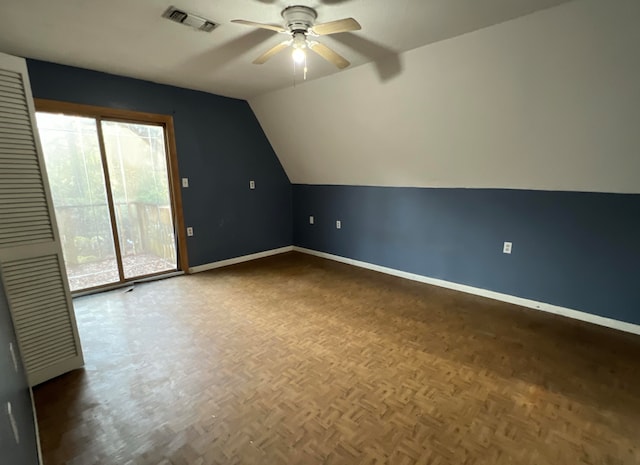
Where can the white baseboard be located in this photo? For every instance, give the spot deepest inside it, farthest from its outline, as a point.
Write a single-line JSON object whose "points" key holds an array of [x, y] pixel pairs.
{"points": [[567, 312], [244, 258]]}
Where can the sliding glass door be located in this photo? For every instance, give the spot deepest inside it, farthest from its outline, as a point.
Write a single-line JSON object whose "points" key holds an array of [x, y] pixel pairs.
{"points": [[76, 177], [138, 175], [111, 191]]}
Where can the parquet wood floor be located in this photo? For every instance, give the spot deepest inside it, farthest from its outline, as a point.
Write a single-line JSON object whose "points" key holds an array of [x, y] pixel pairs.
{"points": [[298, 360]]}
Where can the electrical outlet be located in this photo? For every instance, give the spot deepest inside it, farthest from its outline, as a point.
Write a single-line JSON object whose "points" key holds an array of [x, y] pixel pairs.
{"points": [[252, 184], [189, 231], [338, 224], [185, 182], [311, 220], [506, 248]]}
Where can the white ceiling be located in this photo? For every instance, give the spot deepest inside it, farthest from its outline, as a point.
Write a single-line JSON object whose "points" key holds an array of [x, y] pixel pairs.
{"points": [[547, 101], [130, 38]]}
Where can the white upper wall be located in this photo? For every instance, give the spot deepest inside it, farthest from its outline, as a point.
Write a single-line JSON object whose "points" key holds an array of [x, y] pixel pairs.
{"points": [[547, 101]]}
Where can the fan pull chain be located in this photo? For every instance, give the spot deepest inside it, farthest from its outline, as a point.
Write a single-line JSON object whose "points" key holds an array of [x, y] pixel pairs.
{"points": [[294, 74], [305, 67]]}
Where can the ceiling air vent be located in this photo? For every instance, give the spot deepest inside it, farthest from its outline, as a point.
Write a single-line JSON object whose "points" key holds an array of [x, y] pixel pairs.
{"points": [[189, 19]]}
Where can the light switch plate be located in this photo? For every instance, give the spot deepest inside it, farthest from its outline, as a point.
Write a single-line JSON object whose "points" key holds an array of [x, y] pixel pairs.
{"points": [[12, 422], [338, 224], [311, 219], [252, 184], [185, 182], [13, 357]]}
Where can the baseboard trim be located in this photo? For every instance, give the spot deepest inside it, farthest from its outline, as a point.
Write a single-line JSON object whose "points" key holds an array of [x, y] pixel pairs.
{"points": [[542, 306], [244, 258]]}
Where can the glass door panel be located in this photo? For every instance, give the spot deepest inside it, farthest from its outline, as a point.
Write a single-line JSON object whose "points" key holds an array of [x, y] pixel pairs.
{"points": [[139, 179], [74, 168]]}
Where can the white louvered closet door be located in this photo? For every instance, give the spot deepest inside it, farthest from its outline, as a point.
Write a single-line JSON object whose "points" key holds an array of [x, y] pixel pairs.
{"points": [[30, 251]]}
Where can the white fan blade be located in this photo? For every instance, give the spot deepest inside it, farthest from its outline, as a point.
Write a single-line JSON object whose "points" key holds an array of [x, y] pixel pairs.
{"points": [[271, 52], [334, 27], [271, 27], [329, 55]]}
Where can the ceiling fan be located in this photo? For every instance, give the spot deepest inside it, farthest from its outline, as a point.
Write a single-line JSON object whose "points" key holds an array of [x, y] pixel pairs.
{"points": [[299, 24]]}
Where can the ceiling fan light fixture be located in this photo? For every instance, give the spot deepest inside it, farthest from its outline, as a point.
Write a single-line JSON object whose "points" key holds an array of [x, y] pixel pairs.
{"points": [[300, 25], [298, 55]]}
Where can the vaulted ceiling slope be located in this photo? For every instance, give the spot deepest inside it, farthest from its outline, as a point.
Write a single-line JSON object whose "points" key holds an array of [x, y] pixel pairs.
{"points": [[131, 39], [548, 101]]}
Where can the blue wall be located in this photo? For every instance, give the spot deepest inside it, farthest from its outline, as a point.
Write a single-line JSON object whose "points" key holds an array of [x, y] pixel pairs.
{"points": [[220, 146], [572, 249], [14, 389]]}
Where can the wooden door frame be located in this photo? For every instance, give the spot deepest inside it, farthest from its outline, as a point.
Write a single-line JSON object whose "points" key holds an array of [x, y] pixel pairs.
{"points": [[130, 116]]}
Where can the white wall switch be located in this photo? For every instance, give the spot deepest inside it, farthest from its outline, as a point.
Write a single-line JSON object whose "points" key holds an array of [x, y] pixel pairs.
{"points": [[311, 220], [338, 224], [12, 422], [252, 184], [185, 182], [506, 248], [189, 231], [13, 357]]}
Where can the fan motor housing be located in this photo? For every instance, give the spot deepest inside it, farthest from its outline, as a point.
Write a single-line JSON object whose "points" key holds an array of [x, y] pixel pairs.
{"points": [[299, 17]]}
